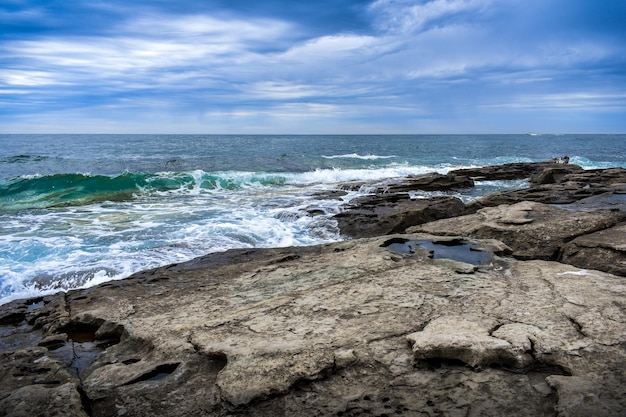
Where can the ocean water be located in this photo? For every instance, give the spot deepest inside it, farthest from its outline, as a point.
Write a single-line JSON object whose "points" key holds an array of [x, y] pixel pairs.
{"points": [[78, 210]]}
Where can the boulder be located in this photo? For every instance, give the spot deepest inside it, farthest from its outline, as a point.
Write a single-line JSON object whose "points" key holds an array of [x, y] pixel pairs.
{"points": [[349, 328], [382, 214]]}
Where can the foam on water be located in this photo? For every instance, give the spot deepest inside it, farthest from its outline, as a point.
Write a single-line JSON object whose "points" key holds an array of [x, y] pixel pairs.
{"points": [[44, 251], [357, 156], [334, 176]]}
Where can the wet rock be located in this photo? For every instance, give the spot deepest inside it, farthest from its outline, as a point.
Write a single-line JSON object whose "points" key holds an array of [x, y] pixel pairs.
{"points": [[41, 400], [426, 182], [432, 181], [514, 171], [32, 382], [612, 200], [330, 195], [382, 214]]}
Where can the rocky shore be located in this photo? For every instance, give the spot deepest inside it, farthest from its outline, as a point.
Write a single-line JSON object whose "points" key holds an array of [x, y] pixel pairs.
{"points": [[512, 305]]}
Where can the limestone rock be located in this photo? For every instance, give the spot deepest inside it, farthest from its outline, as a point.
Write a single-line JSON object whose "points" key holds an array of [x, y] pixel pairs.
{"points": [[581, 397], [532, 230], [603, 250], [322, 331], [42, 400], [34, 382], [470, 340]]}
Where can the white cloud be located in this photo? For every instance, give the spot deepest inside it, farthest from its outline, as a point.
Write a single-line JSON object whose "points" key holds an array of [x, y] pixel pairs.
{"points": [[221, 30], [591, 101], [13, 91], [280, 90], [297, 110], [29, 78], [148, 45], [331, 46], [405, 16]]}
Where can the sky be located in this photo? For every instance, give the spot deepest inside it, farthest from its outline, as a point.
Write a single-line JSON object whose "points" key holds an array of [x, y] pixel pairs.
{"points": [[312, 67]]}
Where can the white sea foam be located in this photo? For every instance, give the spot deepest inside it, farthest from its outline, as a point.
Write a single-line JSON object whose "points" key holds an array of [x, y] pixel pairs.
{"points": [[357, 156], [334, 176]]}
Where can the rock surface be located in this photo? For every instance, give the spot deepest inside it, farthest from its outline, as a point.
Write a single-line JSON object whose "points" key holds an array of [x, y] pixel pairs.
{"points": [[382, 214], [403, 324], [604, 250], [537, 231], [350, 328], [514, 171], [427, 182], [569, 188]]}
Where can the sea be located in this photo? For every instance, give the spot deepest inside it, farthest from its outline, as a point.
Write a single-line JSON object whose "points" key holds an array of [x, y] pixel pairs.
{"points": [[80, 210]]}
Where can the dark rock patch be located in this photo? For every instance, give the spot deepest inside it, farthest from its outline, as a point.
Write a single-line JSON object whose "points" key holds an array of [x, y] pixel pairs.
{"points": [[377, 215]]}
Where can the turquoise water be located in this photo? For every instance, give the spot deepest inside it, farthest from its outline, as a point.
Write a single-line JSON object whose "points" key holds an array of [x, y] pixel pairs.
{"points": [[77, 210]]}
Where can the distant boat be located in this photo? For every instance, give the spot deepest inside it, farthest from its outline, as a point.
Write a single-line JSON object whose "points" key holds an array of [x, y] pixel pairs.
{"points": [[532, 134]]}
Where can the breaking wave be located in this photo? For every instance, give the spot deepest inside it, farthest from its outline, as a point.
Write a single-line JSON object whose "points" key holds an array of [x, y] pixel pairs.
{"points": [[61, 190]]}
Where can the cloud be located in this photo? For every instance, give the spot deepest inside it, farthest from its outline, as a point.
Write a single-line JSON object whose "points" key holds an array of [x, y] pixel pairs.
{"points": [[277, 90], [296, 110], [396, 63], [326, 47], [404, 16], [155, 42], [29, 78], [592, 101]]}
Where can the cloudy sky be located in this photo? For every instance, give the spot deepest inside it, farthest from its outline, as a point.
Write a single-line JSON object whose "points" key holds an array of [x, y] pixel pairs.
{"points": [[312, 66]]}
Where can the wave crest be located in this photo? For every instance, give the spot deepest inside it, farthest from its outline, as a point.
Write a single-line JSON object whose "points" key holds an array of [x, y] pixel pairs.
{"points": [[59, 190]]}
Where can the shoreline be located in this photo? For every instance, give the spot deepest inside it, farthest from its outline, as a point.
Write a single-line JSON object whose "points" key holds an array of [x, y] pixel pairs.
{"points": [[374, 324]]}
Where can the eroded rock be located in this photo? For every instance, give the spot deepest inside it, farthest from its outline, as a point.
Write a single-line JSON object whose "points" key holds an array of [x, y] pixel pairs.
{"points": [[321, 331], [532, 230], [604, 250], [469, 339]]}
